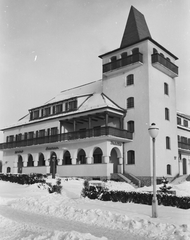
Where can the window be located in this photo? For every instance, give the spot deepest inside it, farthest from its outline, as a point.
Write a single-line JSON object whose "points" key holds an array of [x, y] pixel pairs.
{"points": [[42, 133], [167, 114], [131, 157], [30, 135], [135, 51], [130, 126], [130, 80], [185, 123], [178, 120], [54, 131], [155, 51], [59, 108], [10, 138], [19, 137], [169, 169], [166, 89], [124, 55], [36, 114], [167, 142], [130, 102], [113, 59], [47, 111], [71, 105]]}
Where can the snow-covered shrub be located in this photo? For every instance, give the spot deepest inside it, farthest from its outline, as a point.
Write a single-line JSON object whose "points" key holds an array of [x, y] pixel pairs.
{"points": [[55, 188]]}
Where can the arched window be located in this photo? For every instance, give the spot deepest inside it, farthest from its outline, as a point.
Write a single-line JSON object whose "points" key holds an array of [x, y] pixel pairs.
{"points": [[124, 55], [67, 158], [41, 161], [130, 79], [30, 161], [131, 157], [113, 59], [168, 59], [169, 169], [168, 143], [8, 169], [155, 51], [130, 126], [97, 155], [130, 102], [135, 50], [162, 55], [81, 157], [113, 62], [20, 164], [167, 114]]}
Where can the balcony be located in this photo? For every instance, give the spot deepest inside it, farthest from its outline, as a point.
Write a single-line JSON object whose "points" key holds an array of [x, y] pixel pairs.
{"points": [[184, 146], [164, 65], [132, 61], [88, 133]]}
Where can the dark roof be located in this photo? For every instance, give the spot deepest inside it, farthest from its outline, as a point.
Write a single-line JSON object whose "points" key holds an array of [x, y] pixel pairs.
{"points": [[136, 28], [136, 31]]}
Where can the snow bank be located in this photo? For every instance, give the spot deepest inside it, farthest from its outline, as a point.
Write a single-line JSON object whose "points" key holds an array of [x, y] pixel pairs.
{"points": [[69, 205]]}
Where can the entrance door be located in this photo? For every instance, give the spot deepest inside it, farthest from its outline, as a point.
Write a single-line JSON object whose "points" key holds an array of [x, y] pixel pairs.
{"points": [[184, 166], [20, 164], [114, 160]]}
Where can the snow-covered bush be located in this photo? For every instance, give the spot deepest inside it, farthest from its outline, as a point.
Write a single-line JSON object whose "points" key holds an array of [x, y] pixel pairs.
{"points": [[55, 188]]}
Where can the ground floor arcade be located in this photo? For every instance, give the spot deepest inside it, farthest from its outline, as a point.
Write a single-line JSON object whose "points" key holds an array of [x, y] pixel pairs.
{"points": [[79, 159]]}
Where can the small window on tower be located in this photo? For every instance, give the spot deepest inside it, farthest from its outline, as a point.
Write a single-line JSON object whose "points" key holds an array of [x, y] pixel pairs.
{"points": [[129, 80], [166, 89]]}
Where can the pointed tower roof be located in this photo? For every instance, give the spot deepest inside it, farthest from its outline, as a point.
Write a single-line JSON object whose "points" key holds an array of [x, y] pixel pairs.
{"points": [[136, 28]]}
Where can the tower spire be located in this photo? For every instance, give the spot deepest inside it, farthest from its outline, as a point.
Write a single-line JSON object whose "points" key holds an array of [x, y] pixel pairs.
{"points": [[136, 28]]}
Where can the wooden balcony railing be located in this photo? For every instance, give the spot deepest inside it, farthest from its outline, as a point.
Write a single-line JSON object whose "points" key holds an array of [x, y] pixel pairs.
{"points": [[157, 58], [184, 146], [138, 57], [88, 133]]}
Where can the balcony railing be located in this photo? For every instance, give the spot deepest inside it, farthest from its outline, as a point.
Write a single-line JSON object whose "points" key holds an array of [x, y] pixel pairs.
{"points": [[157, 58], [184, 146], [88, 133], [138, 57]]}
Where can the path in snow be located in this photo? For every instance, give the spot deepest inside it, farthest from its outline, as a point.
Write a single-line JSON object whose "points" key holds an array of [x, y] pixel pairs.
{"points": [[60, 224]]}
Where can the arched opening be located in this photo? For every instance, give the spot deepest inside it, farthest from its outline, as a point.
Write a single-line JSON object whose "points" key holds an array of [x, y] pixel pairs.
{"points": [[53, 162], [135, 50], [184, 166], [20, 164], [8, 169], [41, 160], [114, 160], [67, 158], [81, 157], [97, 155], [30, 161], [169, 169]]}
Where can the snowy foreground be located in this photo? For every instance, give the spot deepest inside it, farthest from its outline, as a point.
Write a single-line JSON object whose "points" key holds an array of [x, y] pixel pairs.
{"points": [[29, 212]]}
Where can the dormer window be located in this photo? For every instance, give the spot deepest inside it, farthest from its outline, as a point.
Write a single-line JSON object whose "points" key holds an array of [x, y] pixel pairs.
{"points": [[36, 114], [71, 105], [47, 111]]}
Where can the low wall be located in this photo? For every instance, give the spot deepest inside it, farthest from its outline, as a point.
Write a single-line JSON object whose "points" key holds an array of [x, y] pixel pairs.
{"points": [[41, 169], [85, 170]]}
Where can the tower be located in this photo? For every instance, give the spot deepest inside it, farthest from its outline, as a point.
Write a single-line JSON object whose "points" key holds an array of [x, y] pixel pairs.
{"points": [[140, 77]]}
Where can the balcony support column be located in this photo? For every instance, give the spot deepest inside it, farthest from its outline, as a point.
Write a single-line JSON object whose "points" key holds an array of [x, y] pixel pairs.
{"points": [[89, 160], [74, 125], [74, 161], [106, 159], [89, 122]]}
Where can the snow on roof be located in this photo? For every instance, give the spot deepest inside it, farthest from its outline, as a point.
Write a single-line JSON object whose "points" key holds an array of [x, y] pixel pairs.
{"points": [[85, 103]]}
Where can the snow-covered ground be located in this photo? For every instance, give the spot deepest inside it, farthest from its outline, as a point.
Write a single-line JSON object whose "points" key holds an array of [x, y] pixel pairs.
{"points": [[29, 212]]}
